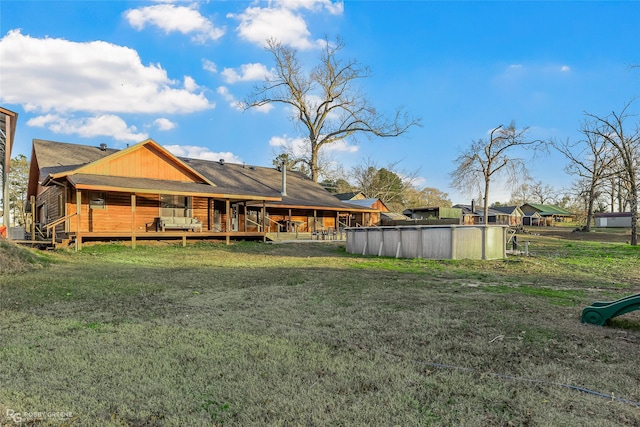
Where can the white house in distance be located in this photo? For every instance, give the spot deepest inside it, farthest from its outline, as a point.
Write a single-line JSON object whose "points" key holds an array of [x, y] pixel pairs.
{"points": [[613, 220]]}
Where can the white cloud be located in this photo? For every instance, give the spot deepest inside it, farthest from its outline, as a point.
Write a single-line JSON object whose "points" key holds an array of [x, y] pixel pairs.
{"points": [[231, 100], [164, 124], [209, 66], [300, 146], [334, 8], [172, 18], [190, 84], [342, 146], [239, 105], [89, 127], [283, 20], [57, 75], [257, 25], [565, 68], [297, 146], [248, 72], [203, 153]]}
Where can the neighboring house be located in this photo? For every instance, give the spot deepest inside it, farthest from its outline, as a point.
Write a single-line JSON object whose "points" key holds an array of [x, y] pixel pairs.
{"points": [[514, 212], [532, 219], [393, 219], [8, 121], [437, 213], [352, 195], [366, 219], [613, 220], [86, 192], [434, 213], [549, 213], [472, 214]]}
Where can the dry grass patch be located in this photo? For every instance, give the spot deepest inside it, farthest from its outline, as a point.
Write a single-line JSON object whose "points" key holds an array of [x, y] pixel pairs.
{"points": [[15, 259], [254, 334]]}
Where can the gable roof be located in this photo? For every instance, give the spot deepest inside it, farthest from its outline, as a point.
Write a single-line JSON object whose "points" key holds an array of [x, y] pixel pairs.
{"points": [[352, 195], [301, 191], [547, 210], [509, 210], [479, 210], [366, 203], [106, 163]]}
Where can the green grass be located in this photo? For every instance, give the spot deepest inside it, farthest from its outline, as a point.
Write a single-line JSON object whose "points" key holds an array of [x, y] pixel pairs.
{"points": [[255, 334]]}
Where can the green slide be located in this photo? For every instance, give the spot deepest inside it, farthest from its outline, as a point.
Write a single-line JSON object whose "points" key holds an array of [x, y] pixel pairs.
{"points": [[599, 312]]}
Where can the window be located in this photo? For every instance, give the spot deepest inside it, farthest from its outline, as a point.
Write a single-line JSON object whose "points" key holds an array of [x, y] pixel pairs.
{"points": [[174, 205], [97, 200]]}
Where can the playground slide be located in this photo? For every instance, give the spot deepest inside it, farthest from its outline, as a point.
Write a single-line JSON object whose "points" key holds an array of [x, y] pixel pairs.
{"points": [[600, 312]]}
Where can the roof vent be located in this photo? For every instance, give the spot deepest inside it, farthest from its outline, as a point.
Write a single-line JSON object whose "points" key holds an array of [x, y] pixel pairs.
{"points": [[221, 161], [103, 147]]}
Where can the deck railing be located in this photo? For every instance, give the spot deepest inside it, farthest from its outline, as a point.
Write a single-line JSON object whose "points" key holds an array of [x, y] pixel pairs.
{"points": [[52, 226]]}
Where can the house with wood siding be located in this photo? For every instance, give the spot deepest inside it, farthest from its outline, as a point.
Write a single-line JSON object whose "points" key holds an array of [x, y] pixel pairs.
{"points": [[472, 214], [365, 219], [145, 192], [514, 213]]}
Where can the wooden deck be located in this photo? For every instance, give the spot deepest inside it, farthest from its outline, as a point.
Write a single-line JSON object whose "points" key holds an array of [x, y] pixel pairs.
{"points": [[168, 235], [134, 238]]}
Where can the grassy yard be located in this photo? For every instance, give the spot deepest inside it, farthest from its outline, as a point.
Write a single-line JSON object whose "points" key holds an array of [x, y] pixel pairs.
{"points": [[304, 334]]}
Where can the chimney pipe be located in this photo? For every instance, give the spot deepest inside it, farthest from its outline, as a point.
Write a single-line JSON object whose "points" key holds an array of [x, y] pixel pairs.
{"points": [[473, 206], [284, 179]]}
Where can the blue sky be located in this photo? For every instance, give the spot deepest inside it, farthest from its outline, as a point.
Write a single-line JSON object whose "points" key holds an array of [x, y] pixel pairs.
{"points": [[119, 72]]}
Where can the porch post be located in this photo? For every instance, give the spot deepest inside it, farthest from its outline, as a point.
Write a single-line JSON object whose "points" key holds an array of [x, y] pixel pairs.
{"points": [[228, 227], [33, 217], [315, 220], [133, 221], [289, 223], [264, 219], [78, 212], [244, 205]]}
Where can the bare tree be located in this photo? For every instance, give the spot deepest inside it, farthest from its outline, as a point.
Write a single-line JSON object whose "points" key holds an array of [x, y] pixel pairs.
{"points": [[485, 160], [592, 160], [326, 102], [389, 184], [626, 145], [427, 196], [532, 192]]}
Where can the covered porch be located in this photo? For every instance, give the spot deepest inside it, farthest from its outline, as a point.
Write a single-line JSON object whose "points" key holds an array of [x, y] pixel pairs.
{"points": [[91, 208]]}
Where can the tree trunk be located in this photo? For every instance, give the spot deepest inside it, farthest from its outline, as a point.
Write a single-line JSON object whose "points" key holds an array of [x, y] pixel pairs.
{"points": [[486, 201], [634, 214], [587, 226], [314, 164]]}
